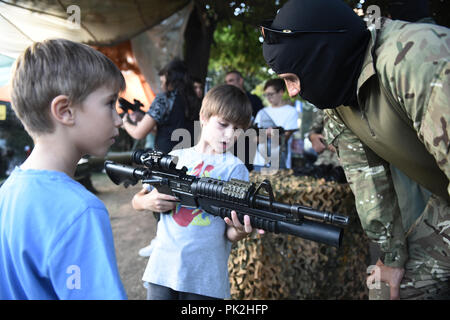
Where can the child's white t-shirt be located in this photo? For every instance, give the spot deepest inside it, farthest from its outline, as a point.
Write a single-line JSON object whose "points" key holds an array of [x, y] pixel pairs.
{"points": [[191, 250]]}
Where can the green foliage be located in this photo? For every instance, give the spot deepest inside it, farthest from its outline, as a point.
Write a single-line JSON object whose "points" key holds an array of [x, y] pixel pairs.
{"points": [[237, 47], [237, 41], [250, 12]]}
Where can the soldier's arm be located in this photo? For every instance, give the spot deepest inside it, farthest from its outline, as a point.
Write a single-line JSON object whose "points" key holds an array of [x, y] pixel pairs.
{"points": [[370, 180], [418, 76], [435, 127], [315, 132], [317, 125]]}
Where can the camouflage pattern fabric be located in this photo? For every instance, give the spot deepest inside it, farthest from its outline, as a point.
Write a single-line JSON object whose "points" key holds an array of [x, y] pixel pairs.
{"points": [[317, 123], [326, 156], [307, 116], [427, 271], [280, 266], [412, 62]]}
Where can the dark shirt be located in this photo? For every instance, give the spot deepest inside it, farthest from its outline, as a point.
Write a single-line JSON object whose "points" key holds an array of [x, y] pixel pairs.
{"points": [[168, 112], [256, 103]]}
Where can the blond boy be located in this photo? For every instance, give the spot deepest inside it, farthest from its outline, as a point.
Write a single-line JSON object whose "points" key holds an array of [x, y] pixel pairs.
{"points": [[55, 236]]}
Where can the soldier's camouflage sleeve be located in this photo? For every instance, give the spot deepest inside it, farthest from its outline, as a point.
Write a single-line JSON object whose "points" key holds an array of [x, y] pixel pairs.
{"points": [[317, 125], [417, 72], [375, 197]]}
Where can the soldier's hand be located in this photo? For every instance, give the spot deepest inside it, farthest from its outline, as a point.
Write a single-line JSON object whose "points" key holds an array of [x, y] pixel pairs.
{"points": [[392, 276], [316, 141], [331, 148]]}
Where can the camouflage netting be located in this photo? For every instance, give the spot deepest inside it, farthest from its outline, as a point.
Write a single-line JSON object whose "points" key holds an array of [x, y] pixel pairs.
{"points": [[274, 266]]}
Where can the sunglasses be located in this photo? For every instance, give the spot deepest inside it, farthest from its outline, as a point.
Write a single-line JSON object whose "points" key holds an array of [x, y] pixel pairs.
{"points": [[271, 36]]}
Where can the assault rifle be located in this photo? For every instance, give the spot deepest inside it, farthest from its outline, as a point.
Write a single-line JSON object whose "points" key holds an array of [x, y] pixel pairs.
{"points": [[126, 105], [219, 198]]}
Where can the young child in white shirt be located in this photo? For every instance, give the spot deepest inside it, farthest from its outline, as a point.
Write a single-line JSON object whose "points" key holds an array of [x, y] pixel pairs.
{"points": [[277, 114], [189, 259]]}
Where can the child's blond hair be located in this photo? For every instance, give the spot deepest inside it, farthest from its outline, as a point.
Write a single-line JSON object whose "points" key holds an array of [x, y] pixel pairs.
{"points": [[228, 102], [58, 67]]}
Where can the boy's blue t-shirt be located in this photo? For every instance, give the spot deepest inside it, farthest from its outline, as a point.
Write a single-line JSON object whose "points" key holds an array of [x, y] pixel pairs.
{"points": [[191, 250], [56, 240]]}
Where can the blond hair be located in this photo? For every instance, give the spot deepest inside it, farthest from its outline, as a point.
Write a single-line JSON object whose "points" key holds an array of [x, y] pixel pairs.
{"points": [[58, 67], [228, 102]]}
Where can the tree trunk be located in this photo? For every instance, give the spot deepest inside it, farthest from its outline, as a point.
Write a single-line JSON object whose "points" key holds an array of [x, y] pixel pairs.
{"points": [[198, 39]]}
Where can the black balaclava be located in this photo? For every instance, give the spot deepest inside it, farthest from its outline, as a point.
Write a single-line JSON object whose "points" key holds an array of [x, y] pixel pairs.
{"points": [[409, 10], [328, 64]]}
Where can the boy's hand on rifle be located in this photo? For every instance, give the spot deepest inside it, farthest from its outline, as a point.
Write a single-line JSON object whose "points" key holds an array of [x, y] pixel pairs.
{"points": [[154, 201], [235, 230]]}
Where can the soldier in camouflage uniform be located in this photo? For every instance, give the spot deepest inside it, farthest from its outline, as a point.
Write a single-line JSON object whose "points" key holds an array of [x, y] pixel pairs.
{"points": [[325, 154], [393, 108]]}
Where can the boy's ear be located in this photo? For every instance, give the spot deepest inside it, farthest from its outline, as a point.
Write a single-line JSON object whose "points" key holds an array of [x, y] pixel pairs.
{"points": [[62, 111]]}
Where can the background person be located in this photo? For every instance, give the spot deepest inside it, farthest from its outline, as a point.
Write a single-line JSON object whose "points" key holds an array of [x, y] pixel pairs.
{"points": [[198, 87], [278, 114], [174, 108], [236, 79]]}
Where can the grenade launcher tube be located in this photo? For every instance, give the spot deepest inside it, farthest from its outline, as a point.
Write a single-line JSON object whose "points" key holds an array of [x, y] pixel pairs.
{"points": [[311, 230]]}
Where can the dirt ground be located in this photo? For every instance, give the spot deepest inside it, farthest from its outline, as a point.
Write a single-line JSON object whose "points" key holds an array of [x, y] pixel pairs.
{"points": [[132, 230]]}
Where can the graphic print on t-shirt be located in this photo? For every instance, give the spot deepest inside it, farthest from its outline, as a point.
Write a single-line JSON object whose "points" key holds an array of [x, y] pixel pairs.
{"points": [[193, 216]]}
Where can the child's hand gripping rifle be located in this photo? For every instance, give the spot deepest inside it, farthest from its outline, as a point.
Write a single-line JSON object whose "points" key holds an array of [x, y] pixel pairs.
{"points": [[219, 198]]}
